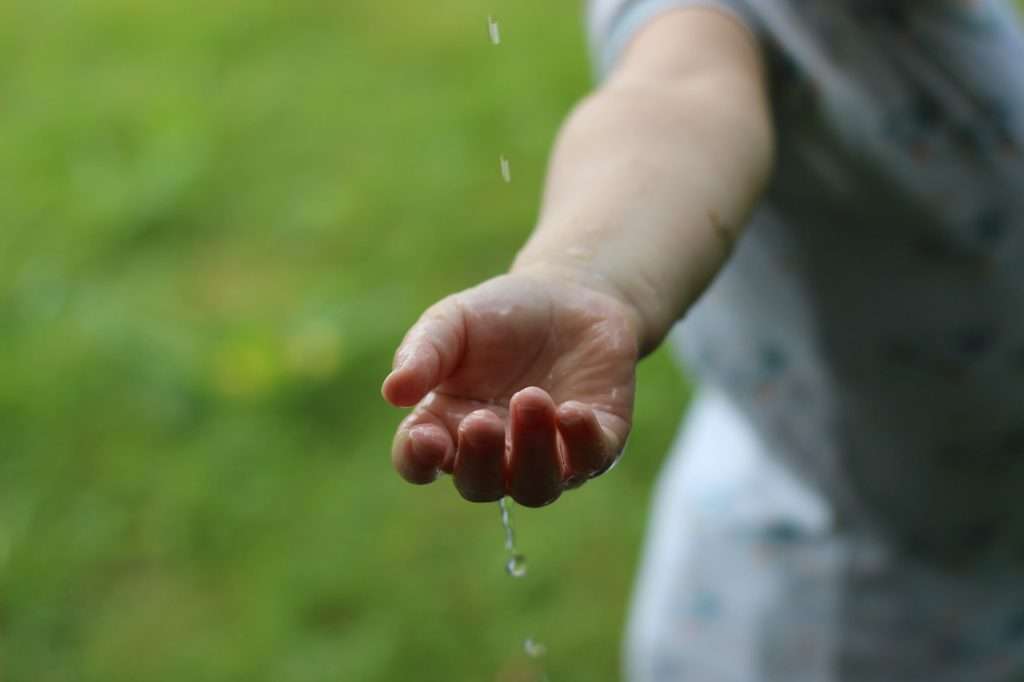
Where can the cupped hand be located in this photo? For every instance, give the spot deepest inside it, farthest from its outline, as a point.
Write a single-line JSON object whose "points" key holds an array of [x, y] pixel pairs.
{"points": [[521, 386]]}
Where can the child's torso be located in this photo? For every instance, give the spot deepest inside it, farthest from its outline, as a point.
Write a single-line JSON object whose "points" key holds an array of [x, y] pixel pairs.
{"points": [[871, 321]]}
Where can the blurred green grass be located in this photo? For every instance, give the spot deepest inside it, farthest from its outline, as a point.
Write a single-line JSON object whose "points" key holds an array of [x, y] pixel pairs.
{"points": [[218, 220]]}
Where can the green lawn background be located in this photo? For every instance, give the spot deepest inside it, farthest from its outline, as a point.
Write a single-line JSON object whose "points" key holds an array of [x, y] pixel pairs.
{"points": [[218, 218]]}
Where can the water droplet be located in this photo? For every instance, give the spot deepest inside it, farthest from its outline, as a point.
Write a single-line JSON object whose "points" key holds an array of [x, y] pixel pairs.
{"points": [[506, 523], [533, 648], [494, 30], [506, 170], [516, 566]]}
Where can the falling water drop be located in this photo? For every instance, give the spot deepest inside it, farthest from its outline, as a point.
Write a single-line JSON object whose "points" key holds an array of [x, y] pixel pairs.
{"points": [[516, 566], [506, 523], [494, 30], [506, 170], [533, 648]]}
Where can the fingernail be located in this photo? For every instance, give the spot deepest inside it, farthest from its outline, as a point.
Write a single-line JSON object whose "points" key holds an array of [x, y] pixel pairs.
{"points": [[416, 438], [532, 410], [571, 419], [421, 445], [383, 384], [401, 359]]}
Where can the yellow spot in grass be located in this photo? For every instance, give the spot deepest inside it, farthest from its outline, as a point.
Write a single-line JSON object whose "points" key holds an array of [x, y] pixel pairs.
{"points": [[245, 370], [314, 351]]}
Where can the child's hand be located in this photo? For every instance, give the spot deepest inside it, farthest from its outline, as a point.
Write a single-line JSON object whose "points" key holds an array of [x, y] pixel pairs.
{"points": [[523, 386]]}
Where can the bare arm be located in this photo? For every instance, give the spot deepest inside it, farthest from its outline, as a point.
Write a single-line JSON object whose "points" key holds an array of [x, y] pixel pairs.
{"points": [[654, 174], [524, 384]]}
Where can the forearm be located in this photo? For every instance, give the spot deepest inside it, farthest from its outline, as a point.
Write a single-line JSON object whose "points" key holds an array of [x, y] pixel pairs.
{"points": [[652, 178]]}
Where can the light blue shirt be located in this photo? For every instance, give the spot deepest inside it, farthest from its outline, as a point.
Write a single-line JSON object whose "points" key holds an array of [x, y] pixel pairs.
{"points": [[870, 325]]}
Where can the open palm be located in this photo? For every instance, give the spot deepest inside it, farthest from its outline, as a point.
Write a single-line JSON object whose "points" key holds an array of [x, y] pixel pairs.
{"points": [[522, 386]]}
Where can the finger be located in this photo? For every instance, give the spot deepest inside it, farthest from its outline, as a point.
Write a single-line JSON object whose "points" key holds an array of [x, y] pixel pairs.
{"points": [[429, 353], [480, 458], [447, 412], [535, 468], [588, 448], [420, 448]]}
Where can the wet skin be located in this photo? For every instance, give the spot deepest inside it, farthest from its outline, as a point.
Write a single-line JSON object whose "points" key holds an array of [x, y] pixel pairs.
{"points": [[520, 386]]}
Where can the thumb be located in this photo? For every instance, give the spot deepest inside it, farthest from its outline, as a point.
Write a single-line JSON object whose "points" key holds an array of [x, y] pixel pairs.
{"points": [[429, 353]]}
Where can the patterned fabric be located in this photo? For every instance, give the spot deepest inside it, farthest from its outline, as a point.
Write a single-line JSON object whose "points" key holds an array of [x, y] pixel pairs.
{"points": [[868, 333]]}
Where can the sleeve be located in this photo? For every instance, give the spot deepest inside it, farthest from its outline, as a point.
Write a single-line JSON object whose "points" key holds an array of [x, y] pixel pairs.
{"points": [[612, 23]]}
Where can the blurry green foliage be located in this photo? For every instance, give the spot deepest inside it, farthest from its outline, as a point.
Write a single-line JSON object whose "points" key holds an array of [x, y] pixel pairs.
{"points": [[218, 218]]}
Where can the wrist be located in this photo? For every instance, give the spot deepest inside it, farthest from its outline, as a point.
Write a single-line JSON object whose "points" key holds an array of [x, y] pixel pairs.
{"points": [[575, 274]]}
